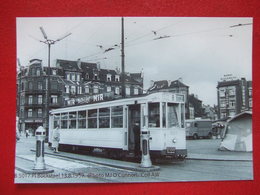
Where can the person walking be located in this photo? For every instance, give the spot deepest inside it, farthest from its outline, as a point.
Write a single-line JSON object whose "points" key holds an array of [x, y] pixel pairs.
{"points": [[55, 139], [26, 133]]}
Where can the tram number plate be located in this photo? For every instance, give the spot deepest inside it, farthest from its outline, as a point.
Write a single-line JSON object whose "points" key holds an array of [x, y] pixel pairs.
{"points": [[170, 150]]}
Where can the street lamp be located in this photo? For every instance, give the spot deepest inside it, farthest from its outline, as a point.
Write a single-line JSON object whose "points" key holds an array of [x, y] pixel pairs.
{"points": [[49, 42]]}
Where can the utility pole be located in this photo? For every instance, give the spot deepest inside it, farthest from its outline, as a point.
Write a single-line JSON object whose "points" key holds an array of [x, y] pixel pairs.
{"points": [[49, 42], [123, 59]]}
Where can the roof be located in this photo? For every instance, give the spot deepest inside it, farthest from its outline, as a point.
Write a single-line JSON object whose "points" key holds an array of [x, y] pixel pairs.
{"points": [[163, 84], [228, 83], [240, 115], [73, 65], [177, 84]]}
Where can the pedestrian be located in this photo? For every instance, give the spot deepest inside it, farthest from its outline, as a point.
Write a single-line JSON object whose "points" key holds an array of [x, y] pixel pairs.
{"points": [[26, 133], [55, 139]]}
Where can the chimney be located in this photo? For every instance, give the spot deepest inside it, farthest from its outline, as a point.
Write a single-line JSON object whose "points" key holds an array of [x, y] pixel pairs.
{"points": [[98, 66], [169, 82], [151, 83], [79, 63]]}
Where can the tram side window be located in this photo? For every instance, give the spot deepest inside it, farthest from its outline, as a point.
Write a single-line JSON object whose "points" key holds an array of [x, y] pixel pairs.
{"points": [[92, 118], [72, 120], [56, 122], [117, 117], [154, 114], [104, 117], [64, 120], [82, 119], [172, 115]]}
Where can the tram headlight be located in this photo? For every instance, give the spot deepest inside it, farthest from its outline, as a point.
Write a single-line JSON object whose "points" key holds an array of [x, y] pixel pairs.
{"points": [[173, 140]]}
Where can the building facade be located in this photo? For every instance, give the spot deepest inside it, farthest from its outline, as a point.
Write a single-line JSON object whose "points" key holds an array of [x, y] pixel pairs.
{"points": [[32, 91], [69, 80], [234, 96]]}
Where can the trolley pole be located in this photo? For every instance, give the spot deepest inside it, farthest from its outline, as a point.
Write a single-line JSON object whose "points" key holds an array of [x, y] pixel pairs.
{"points": [[49, 42], [123, 59]]}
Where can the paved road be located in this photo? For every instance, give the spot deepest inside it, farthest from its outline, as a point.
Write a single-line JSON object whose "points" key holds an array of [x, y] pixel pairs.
{"points": [[77, 171]]}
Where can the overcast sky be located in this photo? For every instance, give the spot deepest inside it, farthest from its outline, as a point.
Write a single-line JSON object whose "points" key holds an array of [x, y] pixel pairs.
{"points": [[198, 50]]}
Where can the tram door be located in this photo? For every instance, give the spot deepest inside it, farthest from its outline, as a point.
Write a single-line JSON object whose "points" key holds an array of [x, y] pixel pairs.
{"points": [[134, 128]]}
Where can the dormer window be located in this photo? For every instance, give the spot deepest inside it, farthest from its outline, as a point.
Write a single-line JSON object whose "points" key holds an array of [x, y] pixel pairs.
{"points": [[78, 77], [117, 78], [87, 76], [108, 77]]}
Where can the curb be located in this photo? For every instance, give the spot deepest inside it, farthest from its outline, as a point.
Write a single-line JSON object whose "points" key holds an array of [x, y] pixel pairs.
{"points": [[131, 168]]}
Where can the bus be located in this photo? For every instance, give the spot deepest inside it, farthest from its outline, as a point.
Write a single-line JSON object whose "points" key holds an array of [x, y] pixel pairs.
{"points": [[110, 125], [196, 128]]}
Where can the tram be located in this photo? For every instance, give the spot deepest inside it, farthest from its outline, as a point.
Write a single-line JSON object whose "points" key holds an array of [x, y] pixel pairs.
{"points": [[111, 125]]}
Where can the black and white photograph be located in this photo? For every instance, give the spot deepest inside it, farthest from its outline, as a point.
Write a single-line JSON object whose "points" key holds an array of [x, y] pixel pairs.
{"points": [[133, 99]]}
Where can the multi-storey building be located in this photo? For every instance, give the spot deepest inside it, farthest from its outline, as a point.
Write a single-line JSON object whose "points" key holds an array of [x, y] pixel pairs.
{"points": [[68, 80], [234, 96], [32, 82]]}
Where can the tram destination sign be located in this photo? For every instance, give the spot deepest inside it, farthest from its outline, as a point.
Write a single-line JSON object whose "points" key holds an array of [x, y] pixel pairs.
{"points": [[90, 99]]}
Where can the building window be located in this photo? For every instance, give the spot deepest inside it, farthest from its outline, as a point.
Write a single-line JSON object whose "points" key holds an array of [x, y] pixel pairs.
{"points": [[67, 88], [95, 89], [39, 99], [54, 72], [73, 90], [250, 91], [73, 77], [136, 91], [222, 103], [39, 85], [22, 86], [39, 113], [108, 77], [108, 89], [29, 112], [232, 104], [54, 85], [30, 85], [232, 91], [38, 72], [95, 77], [78, 77], [30, 99], [250, 103], [87, 76], [68, 76], [86, 89], [54, 99], [222, 93], [127, 90], [117, 78], [79, 90], [117, 90]]}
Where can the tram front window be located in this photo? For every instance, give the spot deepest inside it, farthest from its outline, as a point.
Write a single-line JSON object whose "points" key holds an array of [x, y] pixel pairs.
{"points": [[154, 114], [172, 115]]}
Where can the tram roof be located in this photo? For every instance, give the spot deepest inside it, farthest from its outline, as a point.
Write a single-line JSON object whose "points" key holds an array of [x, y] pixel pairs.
{"points": [[127, 101]]}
